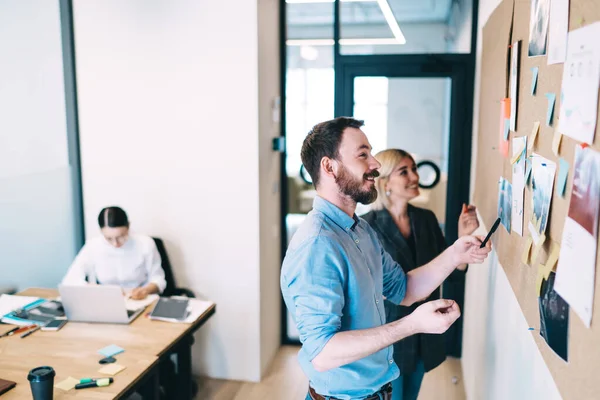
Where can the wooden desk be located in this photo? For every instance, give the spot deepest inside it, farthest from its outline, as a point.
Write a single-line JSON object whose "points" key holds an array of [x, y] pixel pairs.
{"points": [[143, 339], [15, 367]]}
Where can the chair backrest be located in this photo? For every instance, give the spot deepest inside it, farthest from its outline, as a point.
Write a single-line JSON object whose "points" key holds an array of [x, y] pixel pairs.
{"points": [[166, 266]]}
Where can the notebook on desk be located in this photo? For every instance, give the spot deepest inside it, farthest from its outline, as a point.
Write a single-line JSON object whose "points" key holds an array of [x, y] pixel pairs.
{"points": [[5, 385], [170, 309]]}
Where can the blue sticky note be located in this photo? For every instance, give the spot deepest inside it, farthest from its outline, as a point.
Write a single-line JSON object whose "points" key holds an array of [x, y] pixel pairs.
{"points": [[563, 171], [527, 170], [111, 350], [551, 100], [506, 128], [534, 71]]}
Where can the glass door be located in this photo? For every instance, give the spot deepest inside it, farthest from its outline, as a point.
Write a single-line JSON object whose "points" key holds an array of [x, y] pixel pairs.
{"points": [[418, 105], [412, 114]]}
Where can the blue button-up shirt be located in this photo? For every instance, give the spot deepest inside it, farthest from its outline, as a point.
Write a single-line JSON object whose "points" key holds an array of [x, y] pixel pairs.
{"points": [[334, 276]]}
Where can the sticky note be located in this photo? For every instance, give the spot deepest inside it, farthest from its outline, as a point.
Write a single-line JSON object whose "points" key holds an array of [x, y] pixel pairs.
{"points": [[538, 248], [534, 133], [525, 256], [563, 171], [545, 269], [111, 350], [556, 142], [67, 384], [111, 369], [534, 79], [551, 100], [528, 166], [506, 128]]}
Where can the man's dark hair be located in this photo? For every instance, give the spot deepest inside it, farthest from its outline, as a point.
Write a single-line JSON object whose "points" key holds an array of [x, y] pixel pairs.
{"points": [[324, 141]]}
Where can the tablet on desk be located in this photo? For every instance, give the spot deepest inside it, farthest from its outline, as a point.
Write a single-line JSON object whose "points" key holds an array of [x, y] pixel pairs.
{"points": [[170, 309]]}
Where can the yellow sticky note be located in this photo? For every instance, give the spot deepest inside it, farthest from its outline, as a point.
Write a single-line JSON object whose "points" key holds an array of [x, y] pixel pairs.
{"points": [[545, 269], [534, 132], [556, 142], [525, 256], [552, 259], [538, 248], [111, 369], [67, 384]]}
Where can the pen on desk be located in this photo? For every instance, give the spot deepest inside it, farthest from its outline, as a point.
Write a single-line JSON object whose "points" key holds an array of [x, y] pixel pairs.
{"points": [[87, 380], [95, 383], [22, 329], [30, 331], [10, 332]]}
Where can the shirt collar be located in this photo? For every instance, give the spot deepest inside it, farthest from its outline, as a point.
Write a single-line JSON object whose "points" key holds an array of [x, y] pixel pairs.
{"points": [[339, 217]]}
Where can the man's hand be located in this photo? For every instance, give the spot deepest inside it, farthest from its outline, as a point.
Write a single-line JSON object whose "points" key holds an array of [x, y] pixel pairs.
{"points": [[467, 222], [466, 250], [434, 316], [139, 293]]}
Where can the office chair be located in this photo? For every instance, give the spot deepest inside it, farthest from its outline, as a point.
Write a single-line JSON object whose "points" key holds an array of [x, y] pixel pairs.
{"points": [[171, 289]]}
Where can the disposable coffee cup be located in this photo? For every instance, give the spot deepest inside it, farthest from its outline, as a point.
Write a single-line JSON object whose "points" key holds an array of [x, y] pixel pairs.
{"points": [[41, 380]]}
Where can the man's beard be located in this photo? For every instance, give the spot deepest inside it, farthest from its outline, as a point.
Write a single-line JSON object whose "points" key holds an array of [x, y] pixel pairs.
{"points": [[352, 187]]}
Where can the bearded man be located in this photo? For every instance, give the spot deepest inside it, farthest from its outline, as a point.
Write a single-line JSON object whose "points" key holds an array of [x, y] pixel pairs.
{"points": [[335, 275]]}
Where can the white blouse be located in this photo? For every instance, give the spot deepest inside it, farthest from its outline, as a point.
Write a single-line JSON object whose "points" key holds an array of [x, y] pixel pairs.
{"points": [[135, 264]]}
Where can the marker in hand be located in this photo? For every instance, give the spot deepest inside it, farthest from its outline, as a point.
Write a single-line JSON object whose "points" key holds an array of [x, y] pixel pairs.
{"points": [[90, 383]]}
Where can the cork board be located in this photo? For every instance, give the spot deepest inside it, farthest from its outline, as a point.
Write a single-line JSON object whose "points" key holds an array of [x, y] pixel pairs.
{"points": [[577, 378]]}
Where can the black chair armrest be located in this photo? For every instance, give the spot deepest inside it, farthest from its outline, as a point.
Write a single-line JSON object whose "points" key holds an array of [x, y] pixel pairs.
{"points": [[183, 292]]}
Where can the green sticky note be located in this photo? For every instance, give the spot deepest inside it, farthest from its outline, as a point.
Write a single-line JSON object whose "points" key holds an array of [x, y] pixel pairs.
{"points": [[534, 79], [506, 128], [551, 100], [563, 172]]}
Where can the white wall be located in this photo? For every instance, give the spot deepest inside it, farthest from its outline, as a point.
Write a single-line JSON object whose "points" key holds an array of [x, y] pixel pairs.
{"points": [[37, 239], [500, 357], [169, 121]]}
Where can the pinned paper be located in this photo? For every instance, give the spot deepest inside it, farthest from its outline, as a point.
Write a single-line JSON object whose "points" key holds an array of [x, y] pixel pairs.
{"points": [[534, 133], [551, 100], [556, 142], [67, 384], [518, 152], [111, 350], [526, 251], [506, 128], [538, 248], [563, 171], [534, 79], [527, 170], [111, 369]]}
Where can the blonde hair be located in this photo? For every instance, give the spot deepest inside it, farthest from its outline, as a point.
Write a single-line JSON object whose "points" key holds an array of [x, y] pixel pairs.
{"points": [[388, 159]]}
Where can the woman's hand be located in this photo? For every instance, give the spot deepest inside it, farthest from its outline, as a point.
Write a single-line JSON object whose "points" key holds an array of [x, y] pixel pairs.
{"points": [[139, 293], [467, 222]]}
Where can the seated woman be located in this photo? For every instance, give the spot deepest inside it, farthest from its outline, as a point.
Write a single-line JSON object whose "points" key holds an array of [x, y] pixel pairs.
{"points": [[412, 236], [118, 258]]}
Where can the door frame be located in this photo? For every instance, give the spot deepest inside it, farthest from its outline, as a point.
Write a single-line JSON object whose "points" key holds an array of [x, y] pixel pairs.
{"points": [[458, 68]]}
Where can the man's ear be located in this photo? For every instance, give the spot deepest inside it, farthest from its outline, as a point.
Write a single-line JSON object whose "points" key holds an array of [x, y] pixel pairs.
{"points": [[329, 167]]}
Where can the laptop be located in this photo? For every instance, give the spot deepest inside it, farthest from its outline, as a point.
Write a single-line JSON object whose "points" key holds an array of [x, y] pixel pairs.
{"points": [[96, 303]]}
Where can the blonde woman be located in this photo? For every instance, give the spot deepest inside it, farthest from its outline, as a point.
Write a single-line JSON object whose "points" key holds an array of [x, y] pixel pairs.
{"points": [[412, 236]]}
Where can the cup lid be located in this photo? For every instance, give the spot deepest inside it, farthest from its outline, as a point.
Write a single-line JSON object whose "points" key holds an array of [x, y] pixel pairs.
{"points": [[41, 374]]}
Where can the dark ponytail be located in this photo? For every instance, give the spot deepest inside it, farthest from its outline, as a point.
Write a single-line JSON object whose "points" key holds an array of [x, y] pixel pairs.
{"points": [[112, 217]]}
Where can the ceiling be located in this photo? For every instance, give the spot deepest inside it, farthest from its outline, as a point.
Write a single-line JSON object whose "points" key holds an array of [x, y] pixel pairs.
{"points": [[312, 14]]}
